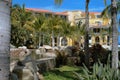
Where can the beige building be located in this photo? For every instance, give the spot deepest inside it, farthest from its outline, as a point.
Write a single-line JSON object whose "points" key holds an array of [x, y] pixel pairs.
{"points": [[99, 30], [98, 27]]}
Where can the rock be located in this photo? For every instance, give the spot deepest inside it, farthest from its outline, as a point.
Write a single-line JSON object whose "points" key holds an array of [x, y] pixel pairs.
{"points": [[23, 73], [22, 47], [40, 76], [13, 76], [49, 54]]}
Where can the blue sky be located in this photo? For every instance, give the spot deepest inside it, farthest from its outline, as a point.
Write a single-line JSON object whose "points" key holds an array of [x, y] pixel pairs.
{"points": [[95, 5]]}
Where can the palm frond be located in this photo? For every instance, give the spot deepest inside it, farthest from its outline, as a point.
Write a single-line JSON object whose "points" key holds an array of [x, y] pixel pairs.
{"points": [[106, 12], [58, 2]]}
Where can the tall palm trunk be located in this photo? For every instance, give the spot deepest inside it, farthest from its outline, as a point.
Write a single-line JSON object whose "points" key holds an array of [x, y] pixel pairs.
{"points": [[53, 41], [4, 39], [86, 34], [58, 40], [114, 35]]}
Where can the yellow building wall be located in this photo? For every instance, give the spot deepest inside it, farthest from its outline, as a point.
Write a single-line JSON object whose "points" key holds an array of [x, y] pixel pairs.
{"points": [[74, 16], [70, 41]]}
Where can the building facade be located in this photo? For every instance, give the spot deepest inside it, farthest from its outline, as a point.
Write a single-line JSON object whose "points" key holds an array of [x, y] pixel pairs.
{"points": [[99, 28]]}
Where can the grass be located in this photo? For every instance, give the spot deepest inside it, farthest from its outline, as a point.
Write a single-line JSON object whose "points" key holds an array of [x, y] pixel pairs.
{"points": [[68, 68], [62, 73]]}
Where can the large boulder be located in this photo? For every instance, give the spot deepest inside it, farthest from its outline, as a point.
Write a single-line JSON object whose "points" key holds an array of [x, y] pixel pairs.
{"points": [[18, 53], [24, 70]]}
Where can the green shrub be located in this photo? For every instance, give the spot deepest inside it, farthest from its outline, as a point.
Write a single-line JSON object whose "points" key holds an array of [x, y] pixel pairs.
{"points": [[100, 72]]}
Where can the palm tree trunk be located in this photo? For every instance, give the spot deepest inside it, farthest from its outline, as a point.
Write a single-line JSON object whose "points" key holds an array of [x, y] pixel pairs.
{"points": [[114, 35], [53, 41], [43, 38], [4, 39], [39, 39], [86, 35], [58, 39]]}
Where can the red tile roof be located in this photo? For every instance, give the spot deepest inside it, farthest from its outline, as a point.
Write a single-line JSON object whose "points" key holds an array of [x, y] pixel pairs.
{"points": [[38, 10], [46, 11], [55, 13], [61, 13]]}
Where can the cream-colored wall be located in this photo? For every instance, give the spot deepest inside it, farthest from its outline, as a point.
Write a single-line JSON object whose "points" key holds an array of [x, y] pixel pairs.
{"points": [[73, 16], [70, 42], [101, 40]]}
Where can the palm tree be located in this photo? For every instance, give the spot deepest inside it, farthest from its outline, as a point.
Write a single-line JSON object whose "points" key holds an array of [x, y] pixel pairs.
{"points": [[4, 39], [67, 31], [86, 34], [38, 27], [86, 30], [78, 33], [21, 25], [114, 34], [53, 26], [114, 8], [106, 12], [50, 23]]}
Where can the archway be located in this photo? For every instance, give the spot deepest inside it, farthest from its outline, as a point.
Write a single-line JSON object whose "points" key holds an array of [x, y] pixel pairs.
{"points": [[97, 39]]}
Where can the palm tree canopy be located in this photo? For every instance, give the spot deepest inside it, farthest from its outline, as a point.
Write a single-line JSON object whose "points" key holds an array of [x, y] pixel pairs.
{"points": [[106, 12], [58, 2]]}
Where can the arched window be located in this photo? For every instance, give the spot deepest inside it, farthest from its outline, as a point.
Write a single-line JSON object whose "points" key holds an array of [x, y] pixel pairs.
{"points": [[96, 30], [97, 40]]}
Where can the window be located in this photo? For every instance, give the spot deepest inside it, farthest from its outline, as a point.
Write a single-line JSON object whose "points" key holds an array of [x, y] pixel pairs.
{"points": [[98, 22], [98, 16], [55, 41], [47, 14], [79, 23], [103, 39], [97, 40], [63, 17], [96, 30], [89, 37]]}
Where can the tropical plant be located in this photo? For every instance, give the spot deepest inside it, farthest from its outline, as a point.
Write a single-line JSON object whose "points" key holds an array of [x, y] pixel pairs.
{"points": [[106, 12], [4, 39], [38, 29], [54, 26], [100, 72], [21, 25], [86, 44], [114, 35], [64, 72], [114, 8], [86, 29]]}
